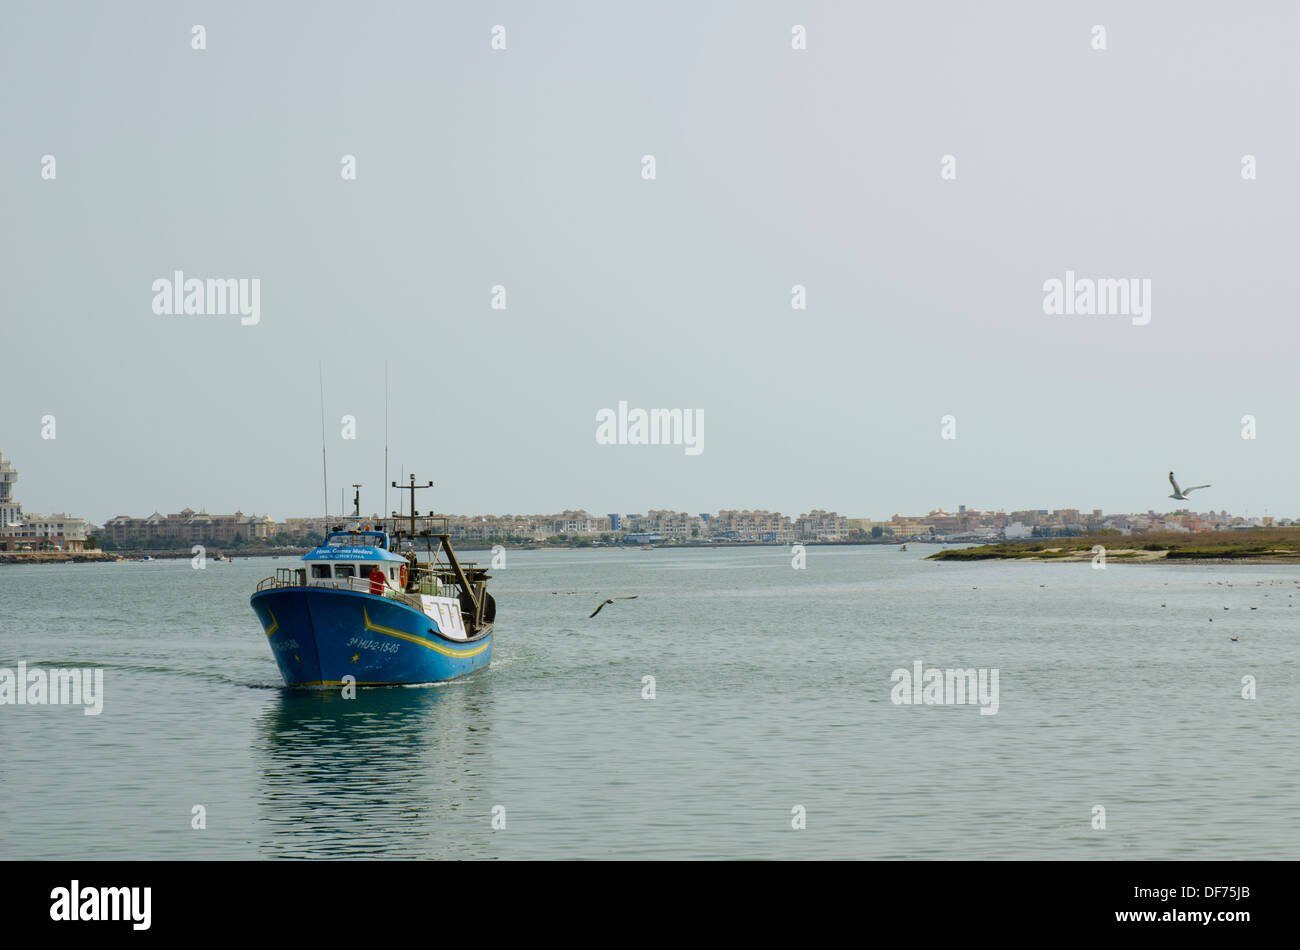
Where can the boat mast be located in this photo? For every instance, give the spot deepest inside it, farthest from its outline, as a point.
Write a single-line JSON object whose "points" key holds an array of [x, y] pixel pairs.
{"points": [[457, 570], [412, 488]]}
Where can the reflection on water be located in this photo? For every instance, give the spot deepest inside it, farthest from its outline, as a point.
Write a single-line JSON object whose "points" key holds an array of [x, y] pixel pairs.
{"points": [[395, 772]]}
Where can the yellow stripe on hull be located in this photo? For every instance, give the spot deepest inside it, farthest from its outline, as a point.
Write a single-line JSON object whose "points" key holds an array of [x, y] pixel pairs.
{"points": [[389, 631]]}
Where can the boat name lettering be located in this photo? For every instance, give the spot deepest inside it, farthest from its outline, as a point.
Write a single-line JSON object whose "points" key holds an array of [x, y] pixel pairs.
{"points": [[344, 554]]}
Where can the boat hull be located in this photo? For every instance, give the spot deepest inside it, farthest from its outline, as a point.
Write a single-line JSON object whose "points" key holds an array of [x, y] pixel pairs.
{"points": [[319, 635]]}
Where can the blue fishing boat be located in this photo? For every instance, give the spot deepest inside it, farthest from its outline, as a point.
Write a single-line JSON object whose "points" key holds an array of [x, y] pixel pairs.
{"points": [[356, 608]]}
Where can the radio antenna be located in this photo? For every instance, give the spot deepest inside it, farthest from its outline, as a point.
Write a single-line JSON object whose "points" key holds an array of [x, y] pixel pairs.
{"points": [[324, 470], [385, 508]]}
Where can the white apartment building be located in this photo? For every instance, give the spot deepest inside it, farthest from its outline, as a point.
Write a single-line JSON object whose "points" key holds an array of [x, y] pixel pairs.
{"points": [[10, 510], [59, 532]]}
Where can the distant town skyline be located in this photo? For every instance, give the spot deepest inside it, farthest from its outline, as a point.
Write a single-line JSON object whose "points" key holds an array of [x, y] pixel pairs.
{"points": [[374, 514], [668, 525], [11, 502]]}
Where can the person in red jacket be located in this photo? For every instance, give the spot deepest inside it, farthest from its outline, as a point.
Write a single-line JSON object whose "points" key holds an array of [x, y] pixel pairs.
{"points": [[376, 580]]}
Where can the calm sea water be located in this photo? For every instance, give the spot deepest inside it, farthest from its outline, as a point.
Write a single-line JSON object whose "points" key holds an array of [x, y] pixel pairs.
{"points": [[772, 691]]}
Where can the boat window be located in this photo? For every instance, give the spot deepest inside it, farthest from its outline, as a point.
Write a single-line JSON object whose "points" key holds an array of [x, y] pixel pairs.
{"points": [[343, 570], [320, 570]]}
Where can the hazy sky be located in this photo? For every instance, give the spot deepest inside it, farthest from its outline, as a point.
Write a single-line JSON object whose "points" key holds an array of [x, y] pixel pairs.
{"points": [[523, 167]]}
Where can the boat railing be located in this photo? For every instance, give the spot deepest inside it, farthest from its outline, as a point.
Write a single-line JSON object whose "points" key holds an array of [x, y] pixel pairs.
{"points": [[297, 577], [427, 529], [284, 577]]}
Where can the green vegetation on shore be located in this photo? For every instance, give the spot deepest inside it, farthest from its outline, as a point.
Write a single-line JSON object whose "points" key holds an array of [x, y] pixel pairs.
{"points": [[1256, 544]]}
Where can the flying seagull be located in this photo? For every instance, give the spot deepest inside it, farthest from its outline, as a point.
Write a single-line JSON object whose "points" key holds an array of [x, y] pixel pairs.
{"points": [[1180, 494], [610, 600]]}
